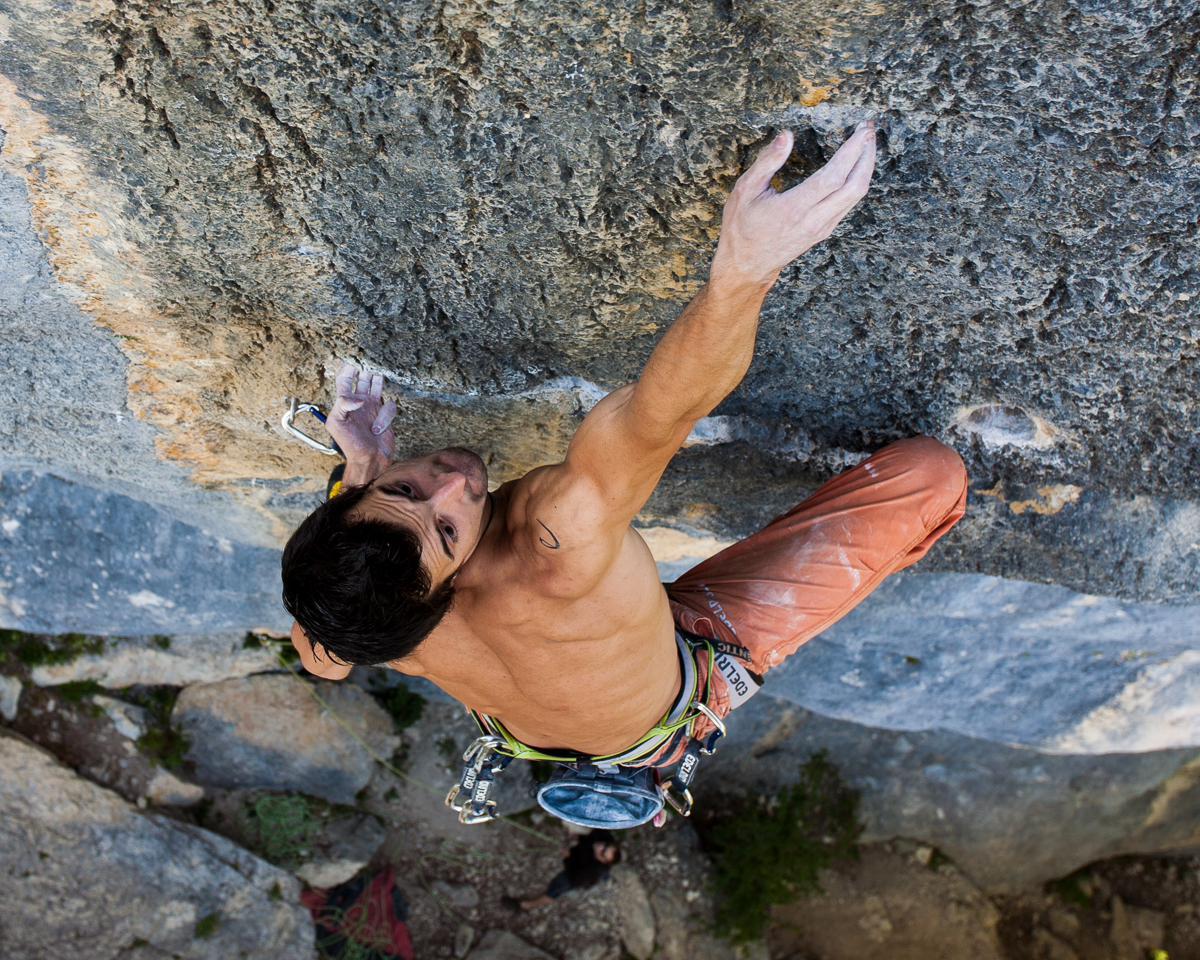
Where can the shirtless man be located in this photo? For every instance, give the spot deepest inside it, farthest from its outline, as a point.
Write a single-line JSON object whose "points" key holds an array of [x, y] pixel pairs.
{"points": [[539, 606]]}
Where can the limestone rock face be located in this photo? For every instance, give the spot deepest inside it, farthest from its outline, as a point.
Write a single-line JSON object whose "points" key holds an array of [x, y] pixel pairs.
{"points": [[1011, 662], [87, 876], [503, 207], [1009, 817], [268, 731]]}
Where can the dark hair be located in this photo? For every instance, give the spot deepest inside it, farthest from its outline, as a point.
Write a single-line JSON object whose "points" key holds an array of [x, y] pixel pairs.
{"points": [[357, 586], [605, 837]]}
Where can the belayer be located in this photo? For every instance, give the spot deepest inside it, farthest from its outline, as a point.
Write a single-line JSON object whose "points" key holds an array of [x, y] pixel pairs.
{"points": [[539, 607]]}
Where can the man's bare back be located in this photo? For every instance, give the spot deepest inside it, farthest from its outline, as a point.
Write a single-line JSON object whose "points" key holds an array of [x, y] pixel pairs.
{"points": [[559, 626]]}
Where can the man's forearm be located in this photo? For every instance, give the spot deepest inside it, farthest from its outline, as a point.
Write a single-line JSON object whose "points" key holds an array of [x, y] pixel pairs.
{"points": [[703, 355], [360, 472]]}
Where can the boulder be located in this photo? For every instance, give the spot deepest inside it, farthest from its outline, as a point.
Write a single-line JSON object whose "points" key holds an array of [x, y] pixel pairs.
{"points": [[10, 696], [634, 912], [269, 731], [888, 906], [502, 945], [129, 720], [176, 661], [87, 876], [461, 895], [340, 849], [166, 789]]}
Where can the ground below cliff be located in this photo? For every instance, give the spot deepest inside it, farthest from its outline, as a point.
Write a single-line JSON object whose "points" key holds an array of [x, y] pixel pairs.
{"points": [[897, 899]]}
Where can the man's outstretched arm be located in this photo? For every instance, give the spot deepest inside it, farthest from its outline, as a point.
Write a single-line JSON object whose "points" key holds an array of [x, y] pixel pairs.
{"points": [[626, 441]]}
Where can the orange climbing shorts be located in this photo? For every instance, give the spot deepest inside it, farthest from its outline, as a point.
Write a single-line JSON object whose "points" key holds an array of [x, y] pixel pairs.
{"points": [[811, 566]]}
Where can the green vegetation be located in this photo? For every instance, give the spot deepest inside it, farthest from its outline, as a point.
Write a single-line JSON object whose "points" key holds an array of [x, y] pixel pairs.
{"points": [[38, 650], [161, 741], [207, 926], [404, 706], [276, 892], [1075, 888], [283, 649], [448, 748], [138, 944], [280, 827], [161, 641], [769, 851], [76, 690]]}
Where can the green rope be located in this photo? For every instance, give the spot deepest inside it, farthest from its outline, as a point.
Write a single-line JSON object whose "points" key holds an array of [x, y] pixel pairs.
{"points": [[284, 826]]}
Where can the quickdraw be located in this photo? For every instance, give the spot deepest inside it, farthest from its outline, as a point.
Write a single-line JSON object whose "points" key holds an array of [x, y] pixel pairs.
{"points": [[288, 423], [482, 760]]}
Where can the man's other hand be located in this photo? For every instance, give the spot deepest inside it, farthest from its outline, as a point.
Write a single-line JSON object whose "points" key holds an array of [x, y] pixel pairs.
{"points": [[361, 423], [326, 667], [764, 230]]}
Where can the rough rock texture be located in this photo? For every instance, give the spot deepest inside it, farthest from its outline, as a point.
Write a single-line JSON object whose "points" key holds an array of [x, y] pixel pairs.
{"points": [[203, 207], [340, 850], [637, 916], [1009, 817], [87, 876], [502, 945], [1006, 661], [268, 731], [889, 906], [484, 199], [175, 661]]}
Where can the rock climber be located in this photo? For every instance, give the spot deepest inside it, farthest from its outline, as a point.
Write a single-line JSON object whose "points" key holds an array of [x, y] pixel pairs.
{"points": [[584, 865], [539, 607]]}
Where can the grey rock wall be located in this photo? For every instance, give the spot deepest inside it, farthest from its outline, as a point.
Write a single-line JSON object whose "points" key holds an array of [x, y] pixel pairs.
{"points": [[482, 200], [88, 876], [204, 207], [1009, 817]]}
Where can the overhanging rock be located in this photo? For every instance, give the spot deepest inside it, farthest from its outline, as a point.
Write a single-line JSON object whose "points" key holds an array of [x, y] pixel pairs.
{"points": [[483, 201]]}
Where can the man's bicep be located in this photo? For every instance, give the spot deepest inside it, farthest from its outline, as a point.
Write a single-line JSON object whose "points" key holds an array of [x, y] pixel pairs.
{"points": [[621, 454]]}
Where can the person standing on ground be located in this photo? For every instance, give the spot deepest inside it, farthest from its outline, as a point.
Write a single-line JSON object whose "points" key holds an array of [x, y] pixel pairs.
{"points": [[584, 866], [539, 606]]}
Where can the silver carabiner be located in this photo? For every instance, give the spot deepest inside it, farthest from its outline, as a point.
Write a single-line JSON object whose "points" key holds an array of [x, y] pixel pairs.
{"points": [[683, 807], [480, 747], [489, 813], [291, 429], [717, 722]]}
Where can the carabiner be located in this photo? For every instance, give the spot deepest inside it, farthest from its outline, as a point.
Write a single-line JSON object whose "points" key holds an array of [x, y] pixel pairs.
{"points": [[717, 722], [683, 807], [332, 449]]}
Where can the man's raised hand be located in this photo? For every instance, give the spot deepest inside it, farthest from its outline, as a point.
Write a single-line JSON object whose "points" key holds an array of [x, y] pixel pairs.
{"points": [[764, 230], [361, 423]]}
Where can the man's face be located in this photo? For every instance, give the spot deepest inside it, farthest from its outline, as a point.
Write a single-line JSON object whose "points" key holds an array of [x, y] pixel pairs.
{"points": [[442, 498], [606, 853]]}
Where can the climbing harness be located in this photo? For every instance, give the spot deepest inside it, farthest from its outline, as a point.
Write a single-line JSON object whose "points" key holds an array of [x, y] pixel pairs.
{"points": [[612, 791]]}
